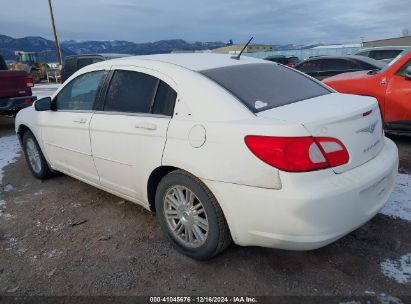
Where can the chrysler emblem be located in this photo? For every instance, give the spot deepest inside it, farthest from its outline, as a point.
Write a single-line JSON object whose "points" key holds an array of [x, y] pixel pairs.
{"points": [[369, 129]]}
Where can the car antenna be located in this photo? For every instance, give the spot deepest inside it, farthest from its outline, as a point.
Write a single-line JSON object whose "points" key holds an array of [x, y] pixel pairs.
{"points": [[237, 57]]}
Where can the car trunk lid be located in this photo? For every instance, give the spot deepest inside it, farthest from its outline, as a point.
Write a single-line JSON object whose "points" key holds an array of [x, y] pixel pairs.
{"points": [[354, 120]]}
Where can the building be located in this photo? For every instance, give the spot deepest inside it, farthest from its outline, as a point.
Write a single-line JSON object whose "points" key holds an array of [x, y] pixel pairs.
{"points": [[235, 48], [337, 46], [400, 41]]}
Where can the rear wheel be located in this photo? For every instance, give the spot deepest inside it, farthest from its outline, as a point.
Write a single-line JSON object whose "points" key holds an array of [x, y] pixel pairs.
{"points": [[191, 217], [34, 157]]}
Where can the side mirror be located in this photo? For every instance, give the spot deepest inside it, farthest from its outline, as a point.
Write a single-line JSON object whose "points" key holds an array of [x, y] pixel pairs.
{"points": [[408, 73], [43, 104]]}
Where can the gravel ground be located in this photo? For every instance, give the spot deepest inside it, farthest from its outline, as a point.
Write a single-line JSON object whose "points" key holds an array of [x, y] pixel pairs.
{"points": [[64, 237]]}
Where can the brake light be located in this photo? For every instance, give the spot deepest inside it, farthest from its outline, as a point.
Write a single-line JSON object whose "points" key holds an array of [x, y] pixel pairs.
{"points": [[298, 154], [334, 150], [29, 81], [27, 100]]}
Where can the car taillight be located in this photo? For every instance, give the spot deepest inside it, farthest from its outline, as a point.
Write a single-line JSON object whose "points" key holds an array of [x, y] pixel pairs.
{"points": [[298, 154], [334, 150], [29, 82]]}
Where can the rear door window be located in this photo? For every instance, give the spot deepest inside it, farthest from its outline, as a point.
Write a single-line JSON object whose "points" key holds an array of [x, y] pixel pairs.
{"points": [[264, 86], [309, 66], [135, 92], [165, 100], [131, 92], [336, 65]]}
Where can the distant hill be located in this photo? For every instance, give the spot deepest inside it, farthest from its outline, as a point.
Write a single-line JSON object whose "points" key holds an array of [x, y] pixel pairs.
{"points": [[46, 50], [44, 47], [126, 47]]}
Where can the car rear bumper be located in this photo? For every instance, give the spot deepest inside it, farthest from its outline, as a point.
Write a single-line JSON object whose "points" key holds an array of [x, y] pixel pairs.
{"points": [[311, 209], [12, 104]]}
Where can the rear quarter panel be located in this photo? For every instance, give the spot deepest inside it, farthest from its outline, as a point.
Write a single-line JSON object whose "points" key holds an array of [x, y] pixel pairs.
{"points": [[224, 155]]}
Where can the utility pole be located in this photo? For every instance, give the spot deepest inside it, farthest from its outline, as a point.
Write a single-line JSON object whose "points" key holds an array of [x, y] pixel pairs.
{"points": [[56, 41]]}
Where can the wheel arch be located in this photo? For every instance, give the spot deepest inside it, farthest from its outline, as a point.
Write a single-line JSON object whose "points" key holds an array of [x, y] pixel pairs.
{"points": [[22, 128], [153, 181], [156, 176]]}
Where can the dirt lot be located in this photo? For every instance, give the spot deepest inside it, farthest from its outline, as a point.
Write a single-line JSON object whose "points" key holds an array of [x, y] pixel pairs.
{"points": [[63, 237]]}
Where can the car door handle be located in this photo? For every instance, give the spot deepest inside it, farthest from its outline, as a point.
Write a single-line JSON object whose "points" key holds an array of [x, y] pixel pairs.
{"points": [[80, 120], [145, 125]]}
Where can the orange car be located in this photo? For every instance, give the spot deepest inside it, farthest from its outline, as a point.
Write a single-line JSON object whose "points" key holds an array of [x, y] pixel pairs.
{"points": [[391, 86]]}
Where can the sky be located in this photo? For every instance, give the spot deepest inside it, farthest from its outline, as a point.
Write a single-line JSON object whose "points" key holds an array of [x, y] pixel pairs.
{"points": [[269, 21]]}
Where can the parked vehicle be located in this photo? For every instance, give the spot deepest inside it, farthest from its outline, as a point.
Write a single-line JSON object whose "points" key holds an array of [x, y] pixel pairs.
{"points": [[390, 86], [28, 62], [289, 61], [384, 53], [15, 90], [326, 66], [74, 63], [221, 148]]}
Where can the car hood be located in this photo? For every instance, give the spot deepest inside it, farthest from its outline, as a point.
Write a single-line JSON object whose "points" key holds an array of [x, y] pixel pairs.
{"points": [[349, 76]]}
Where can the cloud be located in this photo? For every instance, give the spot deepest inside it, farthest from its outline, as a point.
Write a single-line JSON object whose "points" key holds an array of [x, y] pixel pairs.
{"points": [[271, 21]]}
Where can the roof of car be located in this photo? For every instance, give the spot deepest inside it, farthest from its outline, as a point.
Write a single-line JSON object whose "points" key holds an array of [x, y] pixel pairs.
{"points": [[106, 56], [281, 56], [371, 61], [192, 61], [383, 48]]}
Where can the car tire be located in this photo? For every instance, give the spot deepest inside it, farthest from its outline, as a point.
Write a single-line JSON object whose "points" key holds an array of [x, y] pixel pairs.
{"points": [[34, 157], [199, 241]]}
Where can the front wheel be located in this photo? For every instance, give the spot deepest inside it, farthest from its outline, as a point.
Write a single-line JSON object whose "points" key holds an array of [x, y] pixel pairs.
{"points": [[34, 157], [191, 217]]}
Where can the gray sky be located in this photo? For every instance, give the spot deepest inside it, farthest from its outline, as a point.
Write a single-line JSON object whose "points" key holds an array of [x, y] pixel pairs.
{"points": [[270, 21]]}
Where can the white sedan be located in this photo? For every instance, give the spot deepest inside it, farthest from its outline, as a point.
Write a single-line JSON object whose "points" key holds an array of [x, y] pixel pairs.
{"points": [[221, 149]]}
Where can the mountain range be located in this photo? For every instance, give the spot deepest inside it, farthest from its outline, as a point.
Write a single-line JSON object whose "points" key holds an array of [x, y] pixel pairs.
{"points": [[46, 50]]}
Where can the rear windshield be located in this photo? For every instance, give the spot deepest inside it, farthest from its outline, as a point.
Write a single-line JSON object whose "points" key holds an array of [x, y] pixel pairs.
{"points": [[264, 86], [70, 64]]}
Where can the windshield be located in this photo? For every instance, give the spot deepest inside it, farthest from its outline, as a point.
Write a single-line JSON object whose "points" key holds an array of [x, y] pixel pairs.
{"points": [[391, 63], [264, 86], [29, 58]]}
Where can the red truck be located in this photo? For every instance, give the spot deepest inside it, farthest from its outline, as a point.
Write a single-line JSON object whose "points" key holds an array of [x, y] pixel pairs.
{"points": [[391, 86], [15, 90]]}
